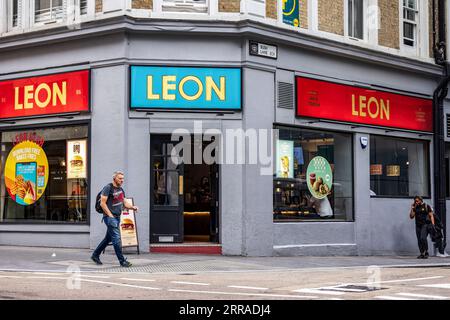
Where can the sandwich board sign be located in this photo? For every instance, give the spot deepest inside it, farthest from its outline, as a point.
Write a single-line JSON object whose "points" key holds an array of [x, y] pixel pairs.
{"points": [[128, 227]]}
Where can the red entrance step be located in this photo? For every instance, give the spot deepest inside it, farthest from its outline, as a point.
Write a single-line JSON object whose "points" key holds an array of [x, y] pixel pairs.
{"points": [[193, 248]]}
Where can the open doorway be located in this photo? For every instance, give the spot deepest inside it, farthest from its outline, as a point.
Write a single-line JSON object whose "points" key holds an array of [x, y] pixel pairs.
{"points": [[184, 199], [200, 203]]}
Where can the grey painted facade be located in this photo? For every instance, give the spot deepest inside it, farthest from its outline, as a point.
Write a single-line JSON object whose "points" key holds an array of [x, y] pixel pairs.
{"points": [[120, 139]]}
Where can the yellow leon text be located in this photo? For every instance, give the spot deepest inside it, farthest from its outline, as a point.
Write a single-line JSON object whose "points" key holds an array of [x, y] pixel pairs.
{"points": [[371, 107], [42, 96], [170, 88]]}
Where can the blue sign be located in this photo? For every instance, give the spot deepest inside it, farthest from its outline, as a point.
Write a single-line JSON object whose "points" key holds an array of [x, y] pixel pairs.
{"points": [[185, 88]]}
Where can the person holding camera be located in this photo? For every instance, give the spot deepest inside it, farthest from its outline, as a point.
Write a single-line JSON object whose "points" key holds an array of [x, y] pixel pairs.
{"points": [[423, 214]]}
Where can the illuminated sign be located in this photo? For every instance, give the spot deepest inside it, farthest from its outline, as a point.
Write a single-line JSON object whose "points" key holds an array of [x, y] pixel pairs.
{"points": [[45, 95], [285, 159], [326, 100], [185, 88]]}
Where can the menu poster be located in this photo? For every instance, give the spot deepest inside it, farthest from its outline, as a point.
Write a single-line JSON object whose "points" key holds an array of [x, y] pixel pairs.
{"points": [[26, 172], [76, 159], [285, 159], [376, 169], [128, 229], [319, 177], [393, 171]]}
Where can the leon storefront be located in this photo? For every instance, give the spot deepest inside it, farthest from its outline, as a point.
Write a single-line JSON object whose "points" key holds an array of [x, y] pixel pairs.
{"points": [[44, 165]]}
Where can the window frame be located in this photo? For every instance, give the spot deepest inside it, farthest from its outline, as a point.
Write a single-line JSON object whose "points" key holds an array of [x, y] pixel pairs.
{"points": [[49, 22], [176, 6], [88, 169], [428, 172], [365, 31], [9, 12], [416, 25], [279, 126]]}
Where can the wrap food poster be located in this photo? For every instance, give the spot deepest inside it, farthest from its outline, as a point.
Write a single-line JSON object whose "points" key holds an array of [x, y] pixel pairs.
{"points": [[285, 159], [26, 172], [319, 177], [76, 159]]}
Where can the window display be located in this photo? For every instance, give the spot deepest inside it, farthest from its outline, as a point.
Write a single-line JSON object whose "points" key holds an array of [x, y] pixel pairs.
{"points": [[36, 185], [399, 167], [314, 176]]}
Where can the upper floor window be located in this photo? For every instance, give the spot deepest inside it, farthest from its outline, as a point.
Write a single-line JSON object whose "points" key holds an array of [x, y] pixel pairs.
{"points": [[15, 13], [48, 10], [410, 17], [356, 18], [185, 5], [83, 7]]}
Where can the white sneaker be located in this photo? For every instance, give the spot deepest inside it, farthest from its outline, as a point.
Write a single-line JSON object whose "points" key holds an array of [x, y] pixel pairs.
{"points": [[442, 255]]}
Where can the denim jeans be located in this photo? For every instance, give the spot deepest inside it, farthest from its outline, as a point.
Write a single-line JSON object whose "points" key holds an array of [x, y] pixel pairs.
{"points": [[112, 235], [422, 232]]}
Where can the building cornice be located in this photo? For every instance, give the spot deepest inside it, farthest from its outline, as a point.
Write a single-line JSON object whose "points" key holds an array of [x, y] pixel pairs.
{"points": [[241, 28]]}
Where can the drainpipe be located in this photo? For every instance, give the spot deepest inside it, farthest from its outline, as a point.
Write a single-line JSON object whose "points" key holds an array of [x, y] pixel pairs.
{"points": [[439, 94]]}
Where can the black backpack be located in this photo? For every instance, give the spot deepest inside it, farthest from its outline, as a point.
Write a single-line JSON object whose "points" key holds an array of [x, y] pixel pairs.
{"points": [[98, 207]]}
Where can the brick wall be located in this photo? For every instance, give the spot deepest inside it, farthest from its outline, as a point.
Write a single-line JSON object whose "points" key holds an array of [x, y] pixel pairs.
{"points": [[303, 14], [98, 5], [331, 16], [389, 32], [229, 6], [430, 24], [271, 9], [142, 4]]}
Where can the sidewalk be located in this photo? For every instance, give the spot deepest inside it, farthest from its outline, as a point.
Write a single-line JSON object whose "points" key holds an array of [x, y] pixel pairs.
{"points": [[59, 259]]}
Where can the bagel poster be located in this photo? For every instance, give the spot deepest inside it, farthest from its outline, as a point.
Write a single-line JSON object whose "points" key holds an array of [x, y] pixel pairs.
{"points": [[128, 232], [76, 159], [26, 172], [319, 177]]}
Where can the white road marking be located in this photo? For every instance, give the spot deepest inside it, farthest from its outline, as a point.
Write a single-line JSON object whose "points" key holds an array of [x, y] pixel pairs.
{"points": [[425, 296], [318, 291], [399, 280], [438, 285], [100, 277], [134, 279], [250, 288], [43, 277], [392, 298], [15, 277], [245, 294], [340, 288], [49, 273], [120, 284], [191, 283]]}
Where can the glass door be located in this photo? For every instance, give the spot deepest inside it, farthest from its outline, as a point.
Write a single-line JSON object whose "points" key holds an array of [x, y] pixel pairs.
{"points": [[166, 217]]}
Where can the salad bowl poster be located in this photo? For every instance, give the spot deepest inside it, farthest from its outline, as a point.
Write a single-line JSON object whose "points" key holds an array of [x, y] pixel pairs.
{"points": [[26, 172], [319, 177]]}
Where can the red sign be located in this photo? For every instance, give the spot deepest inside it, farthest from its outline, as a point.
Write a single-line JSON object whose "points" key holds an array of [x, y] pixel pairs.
{"points": [[52, 94], [326, 100]]}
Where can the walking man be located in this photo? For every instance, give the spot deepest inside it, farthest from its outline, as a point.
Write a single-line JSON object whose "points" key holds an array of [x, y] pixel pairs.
{"points": [[424, 216], [112, 202]]}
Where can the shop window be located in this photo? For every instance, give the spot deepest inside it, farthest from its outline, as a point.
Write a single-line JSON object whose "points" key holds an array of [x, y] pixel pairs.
{"points": [[356, 18], [185, 6], [46, 11], [313, 177], [399, 167], [44, 175]]}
